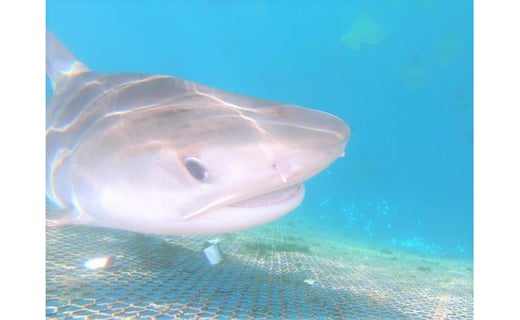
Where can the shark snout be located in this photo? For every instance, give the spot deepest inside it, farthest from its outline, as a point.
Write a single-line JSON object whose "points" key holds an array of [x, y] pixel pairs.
{"points": [[313, 140], [315, 125], [318, 132]]}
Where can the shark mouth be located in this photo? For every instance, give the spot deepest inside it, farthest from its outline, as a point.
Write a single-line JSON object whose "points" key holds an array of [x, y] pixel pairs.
{"points": [[272, 198]]}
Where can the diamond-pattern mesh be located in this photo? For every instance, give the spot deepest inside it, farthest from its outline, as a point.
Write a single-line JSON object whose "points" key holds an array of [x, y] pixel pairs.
{"points": [[262, 277]]}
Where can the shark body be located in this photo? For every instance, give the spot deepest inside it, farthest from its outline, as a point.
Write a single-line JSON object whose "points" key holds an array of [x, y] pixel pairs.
{"points": [[164, 155]]}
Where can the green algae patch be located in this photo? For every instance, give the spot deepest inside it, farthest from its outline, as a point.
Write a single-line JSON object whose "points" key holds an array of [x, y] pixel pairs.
{"points": [[386, 251], [269, 248], [424, 269]]}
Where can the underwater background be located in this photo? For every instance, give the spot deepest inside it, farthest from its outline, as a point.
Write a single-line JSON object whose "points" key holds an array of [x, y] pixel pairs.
{"points": [[400, 73], [385, 232]]}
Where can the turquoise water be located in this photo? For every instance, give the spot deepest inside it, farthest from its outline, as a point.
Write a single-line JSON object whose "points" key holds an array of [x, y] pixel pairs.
{"points": [[400, 73]]}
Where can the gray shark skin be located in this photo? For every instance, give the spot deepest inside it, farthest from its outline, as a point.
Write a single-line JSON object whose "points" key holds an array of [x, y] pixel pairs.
{"points": [[159, 154]]}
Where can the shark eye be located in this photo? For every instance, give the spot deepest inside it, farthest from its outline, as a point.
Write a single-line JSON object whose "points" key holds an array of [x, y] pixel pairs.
{"points": [[195, 168]]}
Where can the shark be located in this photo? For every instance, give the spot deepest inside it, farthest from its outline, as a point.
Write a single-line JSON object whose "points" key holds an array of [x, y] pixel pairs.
{"points": [[163, 155]]}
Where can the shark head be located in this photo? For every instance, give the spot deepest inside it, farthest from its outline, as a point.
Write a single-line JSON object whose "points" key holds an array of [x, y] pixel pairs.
{"points": [[164, 155]]}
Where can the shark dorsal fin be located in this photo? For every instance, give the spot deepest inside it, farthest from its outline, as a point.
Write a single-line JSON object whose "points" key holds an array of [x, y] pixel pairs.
{"points": [[60, 63]]}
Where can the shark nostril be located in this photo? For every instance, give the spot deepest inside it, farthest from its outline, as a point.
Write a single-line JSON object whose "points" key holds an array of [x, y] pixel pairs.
{"points": [[283, 174]]}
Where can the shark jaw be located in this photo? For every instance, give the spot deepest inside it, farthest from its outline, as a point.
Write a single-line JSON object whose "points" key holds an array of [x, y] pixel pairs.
{"points": [[258, 210], [278, 197]]}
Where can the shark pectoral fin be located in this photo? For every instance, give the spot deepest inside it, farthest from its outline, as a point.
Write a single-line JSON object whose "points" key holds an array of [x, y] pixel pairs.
{"points": [[61, 217]]}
